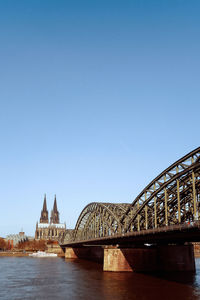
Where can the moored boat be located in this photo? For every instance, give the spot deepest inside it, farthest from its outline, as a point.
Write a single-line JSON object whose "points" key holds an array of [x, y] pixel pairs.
{"points": [[42, 254]]}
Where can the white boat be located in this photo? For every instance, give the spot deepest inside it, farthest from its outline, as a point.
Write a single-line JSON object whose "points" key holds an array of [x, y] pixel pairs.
{"points": [[42, 254]]}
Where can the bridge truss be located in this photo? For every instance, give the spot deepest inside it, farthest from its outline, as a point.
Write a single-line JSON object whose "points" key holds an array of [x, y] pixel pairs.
{"points": [[172, 198], [100, 220]]}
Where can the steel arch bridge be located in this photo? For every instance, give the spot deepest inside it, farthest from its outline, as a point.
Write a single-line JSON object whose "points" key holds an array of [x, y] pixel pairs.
{"points": [[99, 220], [171, 199]]}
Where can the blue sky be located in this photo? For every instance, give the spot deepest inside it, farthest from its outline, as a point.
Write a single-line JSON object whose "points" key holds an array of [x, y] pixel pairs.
{"points": [[96, 99]]}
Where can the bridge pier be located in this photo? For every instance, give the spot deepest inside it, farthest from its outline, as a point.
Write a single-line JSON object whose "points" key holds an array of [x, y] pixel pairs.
{"points": [[161, 258], [176, 258], [129, 260], [164, 258], [92, 253]]}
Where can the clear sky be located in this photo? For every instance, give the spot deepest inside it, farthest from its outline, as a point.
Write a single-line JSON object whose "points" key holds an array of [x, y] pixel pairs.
{"points": [[96, 99]]}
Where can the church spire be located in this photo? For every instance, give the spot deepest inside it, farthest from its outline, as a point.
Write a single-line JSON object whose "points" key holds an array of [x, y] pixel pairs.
{"points": [[44, 213], [55, 205], [54, 213], [45, 203]]}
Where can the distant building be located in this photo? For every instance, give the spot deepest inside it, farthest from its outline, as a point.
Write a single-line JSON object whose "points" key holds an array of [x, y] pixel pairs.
{"points": [[53, 230], [14, 239]]}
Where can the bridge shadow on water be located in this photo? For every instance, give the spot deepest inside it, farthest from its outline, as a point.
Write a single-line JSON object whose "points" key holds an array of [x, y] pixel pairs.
{"points": [[130, 285]]}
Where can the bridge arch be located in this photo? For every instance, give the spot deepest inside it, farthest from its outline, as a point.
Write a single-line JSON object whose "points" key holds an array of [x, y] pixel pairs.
{"points": [[98, 220], [173, 197]]}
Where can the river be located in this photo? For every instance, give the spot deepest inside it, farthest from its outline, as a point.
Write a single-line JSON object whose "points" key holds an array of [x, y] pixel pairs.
{"points": [[54, 278]]}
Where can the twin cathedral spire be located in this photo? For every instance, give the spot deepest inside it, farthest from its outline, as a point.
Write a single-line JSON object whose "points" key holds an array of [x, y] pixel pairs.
{"points": [[54, 213], [49, 228]]}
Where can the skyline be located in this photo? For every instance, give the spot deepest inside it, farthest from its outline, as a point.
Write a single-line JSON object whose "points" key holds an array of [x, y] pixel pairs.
{"points": [[96, 99]]}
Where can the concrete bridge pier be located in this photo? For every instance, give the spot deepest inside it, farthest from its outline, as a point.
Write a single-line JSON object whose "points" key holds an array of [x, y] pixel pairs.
{"points": [[176, 258], [92, 253], [161, 258], [129, 260]]}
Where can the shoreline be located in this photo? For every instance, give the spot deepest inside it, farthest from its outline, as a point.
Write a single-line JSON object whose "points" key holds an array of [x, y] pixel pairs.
{"points": [[20, 254], [13, 253]]}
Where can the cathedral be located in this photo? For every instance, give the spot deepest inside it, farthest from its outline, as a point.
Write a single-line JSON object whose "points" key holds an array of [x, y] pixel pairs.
{"points": [[53, 230]]}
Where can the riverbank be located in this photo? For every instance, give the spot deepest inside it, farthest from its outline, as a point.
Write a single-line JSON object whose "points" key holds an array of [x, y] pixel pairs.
{"points": [[13, 253], [20, 254]]}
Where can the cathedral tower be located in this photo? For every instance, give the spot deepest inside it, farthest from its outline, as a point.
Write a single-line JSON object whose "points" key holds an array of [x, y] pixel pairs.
{"points": [[44, 213], [55, 214], [53, 230]]}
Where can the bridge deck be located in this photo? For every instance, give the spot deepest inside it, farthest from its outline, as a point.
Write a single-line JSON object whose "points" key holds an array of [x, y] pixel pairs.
{"points": [[164, 235]]}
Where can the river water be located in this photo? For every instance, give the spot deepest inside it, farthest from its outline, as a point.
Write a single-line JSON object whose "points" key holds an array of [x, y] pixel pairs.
{"points": [[55, 278]]}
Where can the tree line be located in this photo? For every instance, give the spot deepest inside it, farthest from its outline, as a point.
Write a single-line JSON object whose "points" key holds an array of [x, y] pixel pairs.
{"points": [[30, 245]]}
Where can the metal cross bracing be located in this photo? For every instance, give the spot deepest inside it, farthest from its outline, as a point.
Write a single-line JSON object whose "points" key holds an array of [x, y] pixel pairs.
{"points": [[99, 220], [172, 198]]}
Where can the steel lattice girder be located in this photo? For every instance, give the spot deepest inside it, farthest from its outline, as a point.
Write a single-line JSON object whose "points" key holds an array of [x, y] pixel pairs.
{"points": [[99, 219], [171, 198], [183, 174]]}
